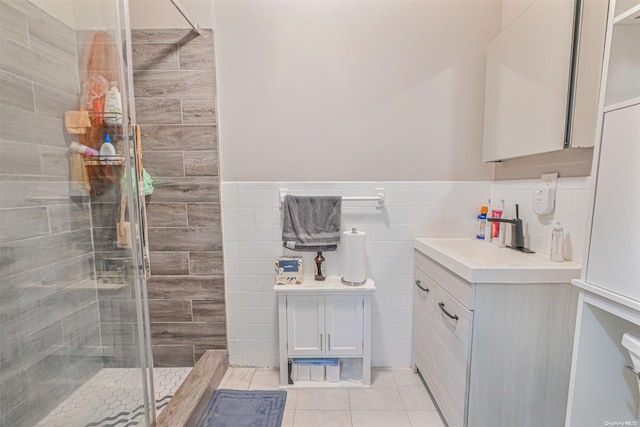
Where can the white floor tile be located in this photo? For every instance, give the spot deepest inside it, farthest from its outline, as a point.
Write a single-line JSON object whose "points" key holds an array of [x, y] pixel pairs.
{"points": [[397, 398], [416, 398], [287, 419], [406, 377], [322, 399], [292, 398], [265, 379], [382, 379], [425, 419], [380, 419], [312, 418], [380, 399]]}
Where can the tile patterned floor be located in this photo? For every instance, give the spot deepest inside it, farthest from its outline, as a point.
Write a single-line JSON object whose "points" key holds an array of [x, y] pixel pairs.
{"points": [[397, 398], [113, 397]]}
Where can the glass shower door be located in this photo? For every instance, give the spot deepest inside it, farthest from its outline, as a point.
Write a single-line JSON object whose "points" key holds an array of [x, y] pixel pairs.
{"points": [[74, 337]]}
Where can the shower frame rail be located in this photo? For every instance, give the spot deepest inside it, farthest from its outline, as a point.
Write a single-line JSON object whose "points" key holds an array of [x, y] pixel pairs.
{"points": [[194, 24]]}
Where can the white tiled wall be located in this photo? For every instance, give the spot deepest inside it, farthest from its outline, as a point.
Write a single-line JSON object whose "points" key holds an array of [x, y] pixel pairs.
{"points": [[571, 210], [252, 241]]}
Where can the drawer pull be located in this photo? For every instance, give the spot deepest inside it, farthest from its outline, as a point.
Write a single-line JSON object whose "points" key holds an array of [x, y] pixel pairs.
{"points": [[453, 316], [418, 285]]}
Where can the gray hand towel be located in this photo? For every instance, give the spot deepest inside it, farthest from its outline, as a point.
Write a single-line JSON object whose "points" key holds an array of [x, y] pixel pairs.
{"points": [[311, 223]]}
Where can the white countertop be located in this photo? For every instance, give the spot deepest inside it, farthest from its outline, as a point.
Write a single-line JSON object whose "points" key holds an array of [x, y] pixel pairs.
{"points": [[331, 284], [478, 261]]}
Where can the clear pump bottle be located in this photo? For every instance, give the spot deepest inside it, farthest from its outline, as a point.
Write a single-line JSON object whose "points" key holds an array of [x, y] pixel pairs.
{"points": [[557, 243]]}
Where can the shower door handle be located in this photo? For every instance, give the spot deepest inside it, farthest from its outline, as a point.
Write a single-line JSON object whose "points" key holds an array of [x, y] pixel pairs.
{"points": [[137, 142], [147, 267]]}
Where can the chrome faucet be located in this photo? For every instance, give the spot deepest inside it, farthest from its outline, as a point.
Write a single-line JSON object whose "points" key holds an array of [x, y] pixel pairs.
{"points": [[517, 232]]}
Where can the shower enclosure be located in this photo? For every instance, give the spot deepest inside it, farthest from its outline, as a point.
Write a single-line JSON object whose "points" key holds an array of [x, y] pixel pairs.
{"points": [[74, 335]]}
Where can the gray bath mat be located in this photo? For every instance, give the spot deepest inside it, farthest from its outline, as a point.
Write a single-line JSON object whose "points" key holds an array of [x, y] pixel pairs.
{"points": [[242, 408]]}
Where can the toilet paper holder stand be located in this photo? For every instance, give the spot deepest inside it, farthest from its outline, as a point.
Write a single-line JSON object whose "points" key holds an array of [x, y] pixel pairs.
{"points": [[344, 282], [354, 231]]}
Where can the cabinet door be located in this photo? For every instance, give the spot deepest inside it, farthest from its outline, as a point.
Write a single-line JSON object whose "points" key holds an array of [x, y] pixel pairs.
{"points": [[305, 325], [614, 253], [527, 83], [345, 325]]}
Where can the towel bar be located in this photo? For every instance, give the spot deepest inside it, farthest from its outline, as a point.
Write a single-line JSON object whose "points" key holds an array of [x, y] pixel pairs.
{"points": [[378, 198]]}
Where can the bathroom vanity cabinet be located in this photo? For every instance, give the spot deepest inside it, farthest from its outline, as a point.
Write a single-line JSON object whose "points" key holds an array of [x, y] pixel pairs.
{"points": [[325, 319], [493, 332]]}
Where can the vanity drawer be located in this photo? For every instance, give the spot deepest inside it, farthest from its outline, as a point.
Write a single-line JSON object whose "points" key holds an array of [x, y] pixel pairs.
{"points": [[459, 288], [453, 332], [424, 311]]}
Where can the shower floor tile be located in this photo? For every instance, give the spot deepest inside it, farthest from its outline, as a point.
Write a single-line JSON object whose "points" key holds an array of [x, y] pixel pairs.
{"points": [[113, 396]]}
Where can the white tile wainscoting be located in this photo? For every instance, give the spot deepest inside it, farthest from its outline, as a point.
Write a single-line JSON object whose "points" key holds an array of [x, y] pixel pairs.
{"points": [[252, 241], [571, 210]]}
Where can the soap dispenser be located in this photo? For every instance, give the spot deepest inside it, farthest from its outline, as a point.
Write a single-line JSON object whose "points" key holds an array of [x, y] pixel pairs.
{"points": [[557, 243]]}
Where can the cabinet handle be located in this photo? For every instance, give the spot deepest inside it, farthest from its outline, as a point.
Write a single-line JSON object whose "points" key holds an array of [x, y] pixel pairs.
{"points": [[418, 285], [320, 342], [328, 342], [453, 316]]}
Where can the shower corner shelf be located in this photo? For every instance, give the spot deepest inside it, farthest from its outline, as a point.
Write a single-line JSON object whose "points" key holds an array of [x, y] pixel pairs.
{"points": [[117, 160], [99, 120], [102, 171]]}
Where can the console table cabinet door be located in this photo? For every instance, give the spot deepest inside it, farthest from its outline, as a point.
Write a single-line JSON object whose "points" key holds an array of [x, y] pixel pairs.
{"points": [[344, 325], [305, 325]]}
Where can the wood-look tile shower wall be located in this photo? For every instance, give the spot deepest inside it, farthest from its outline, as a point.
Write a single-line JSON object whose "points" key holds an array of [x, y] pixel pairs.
{"points": [[175, 92]]}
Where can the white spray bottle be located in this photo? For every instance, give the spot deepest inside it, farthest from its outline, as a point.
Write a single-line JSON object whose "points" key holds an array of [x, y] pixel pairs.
{"points": [[113, 106]]}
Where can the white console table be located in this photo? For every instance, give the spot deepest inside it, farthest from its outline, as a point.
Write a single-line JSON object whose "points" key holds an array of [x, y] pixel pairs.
{"points": [[319, 319]]}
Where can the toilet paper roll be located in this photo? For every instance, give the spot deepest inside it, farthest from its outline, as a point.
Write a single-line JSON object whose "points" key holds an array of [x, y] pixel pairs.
{"points": [[354, 257]]}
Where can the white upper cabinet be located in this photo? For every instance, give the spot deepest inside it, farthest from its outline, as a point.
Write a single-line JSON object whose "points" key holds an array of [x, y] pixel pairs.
{"points": [[540, 94]]}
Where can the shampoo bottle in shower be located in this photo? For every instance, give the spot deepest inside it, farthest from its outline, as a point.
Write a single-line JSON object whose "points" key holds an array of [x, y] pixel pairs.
{"points": [[319, 263], [113, 106], [107, 151]]}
